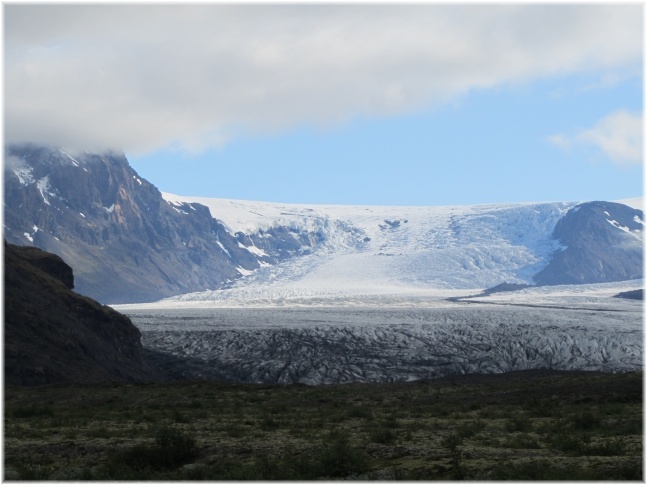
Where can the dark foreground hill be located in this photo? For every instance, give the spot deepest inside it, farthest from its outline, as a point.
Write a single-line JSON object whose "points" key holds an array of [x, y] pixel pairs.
{"points": [[53, 335]]}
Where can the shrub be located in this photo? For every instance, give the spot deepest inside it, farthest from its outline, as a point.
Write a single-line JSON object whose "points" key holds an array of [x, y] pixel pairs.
{"points": [[171, 449], [585, 421], [628, 470], [532, 470], [471, 428], [180, 417], [519, 422], [570, 443], [269, 423], [522, 442], [625, 427], [101, 432], [28, 472], [613, 447], [452, 443], [175, 447], [340, 459], [266, 469], [360, 412], [391, 421], [32, 411], [383, 436], [300, 467], [541, 409]]}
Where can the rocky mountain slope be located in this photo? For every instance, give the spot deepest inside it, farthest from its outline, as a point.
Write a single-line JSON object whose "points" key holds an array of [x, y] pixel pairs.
{"points": [[125, 241], [130, 243], [602, 242], [53, 335]]}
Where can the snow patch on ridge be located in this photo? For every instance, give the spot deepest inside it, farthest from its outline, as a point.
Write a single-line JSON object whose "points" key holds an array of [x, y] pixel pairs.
{"points": [[25, 175], [75, 162], [224, 249], [30, 237], [243, 271], [615, 223], [43, 187], [253, 249]]}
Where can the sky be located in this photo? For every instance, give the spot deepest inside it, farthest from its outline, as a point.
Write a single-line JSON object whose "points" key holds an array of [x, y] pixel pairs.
{"points": [[363, 104]]}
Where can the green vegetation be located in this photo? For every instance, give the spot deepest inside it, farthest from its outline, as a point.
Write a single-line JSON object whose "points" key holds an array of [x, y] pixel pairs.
{"points": [[522, 426]]}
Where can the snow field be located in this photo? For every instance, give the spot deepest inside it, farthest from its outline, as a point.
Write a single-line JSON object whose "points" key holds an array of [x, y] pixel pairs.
{"points": [[388, 250]]}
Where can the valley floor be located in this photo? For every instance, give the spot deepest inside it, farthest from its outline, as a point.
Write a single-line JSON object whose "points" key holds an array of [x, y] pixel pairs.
{"points": [[544, 425]]}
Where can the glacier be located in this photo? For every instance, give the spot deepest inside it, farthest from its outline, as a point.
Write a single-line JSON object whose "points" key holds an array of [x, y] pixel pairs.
{"points": [[394, 294], [400, 337], [373, 250]]}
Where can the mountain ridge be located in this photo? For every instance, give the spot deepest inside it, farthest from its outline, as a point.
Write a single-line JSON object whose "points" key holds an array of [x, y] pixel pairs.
{"points": [[129, 242], [433, 248], [124, 241]]}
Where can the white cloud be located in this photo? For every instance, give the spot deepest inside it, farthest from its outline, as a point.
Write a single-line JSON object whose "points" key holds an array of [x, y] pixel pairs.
{"points": [[619, 136], [147, 77], [561, 141]]}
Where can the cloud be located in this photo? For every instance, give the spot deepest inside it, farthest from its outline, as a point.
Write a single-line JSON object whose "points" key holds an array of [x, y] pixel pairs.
{"points": [[12, 163], [561, 141], [619, 136], [146, 77]]}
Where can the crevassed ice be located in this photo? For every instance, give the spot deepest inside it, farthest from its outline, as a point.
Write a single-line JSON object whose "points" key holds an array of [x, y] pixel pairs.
{"points": [[391, 250]]}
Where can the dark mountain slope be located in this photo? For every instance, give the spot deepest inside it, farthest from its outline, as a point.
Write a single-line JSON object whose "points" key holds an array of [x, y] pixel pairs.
{"points": [[53, 335], [113, 226], [126, 243], [602, 243]]}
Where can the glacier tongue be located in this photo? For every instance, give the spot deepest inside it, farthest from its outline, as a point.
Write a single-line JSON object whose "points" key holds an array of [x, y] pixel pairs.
{"points": [[369, 300], [372, 250], [397, 340]]}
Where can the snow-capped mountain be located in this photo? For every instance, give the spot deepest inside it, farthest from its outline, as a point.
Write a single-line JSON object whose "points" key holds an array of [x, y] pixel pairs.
{"points": [[130, 243], [369, 251], [603, 242], [124, 241]]}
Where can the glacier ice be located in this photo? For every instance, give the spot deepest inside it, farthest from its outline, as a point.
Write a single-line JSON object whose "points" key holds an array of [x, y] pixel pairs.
{"points": [[397, 338], [384, 250]]}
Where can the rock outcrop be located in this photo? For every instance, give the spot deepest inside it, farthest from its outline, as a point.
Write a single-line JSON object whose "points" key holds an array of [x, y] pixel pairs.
{"points": [[53, 335], [602, 242]]}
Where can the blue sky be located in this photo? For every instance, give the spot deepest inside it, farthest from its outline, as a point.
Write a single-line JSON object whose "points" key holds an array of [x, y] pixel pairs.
{"points": [[339, 104], [488, 146]]}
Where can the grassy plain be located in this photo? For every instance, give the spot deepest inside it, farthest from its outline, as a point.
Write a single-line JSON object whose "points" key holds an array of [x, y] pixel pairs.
{"points": [[516, 426]]}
